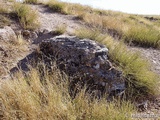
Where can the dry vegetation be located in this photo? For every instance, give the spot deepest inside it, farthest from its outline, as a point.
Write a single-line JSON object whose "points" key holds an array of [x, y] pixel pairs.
{"points": [[59, 30], [10, 52], [28, 18], [48, 97], [31, 1], [37, 98], [4, 20]]}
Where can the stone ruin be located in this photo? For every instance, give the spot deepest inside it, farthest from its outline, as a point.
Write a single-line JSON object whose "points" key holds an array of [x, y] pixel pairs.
{"points": [[85, 61]]}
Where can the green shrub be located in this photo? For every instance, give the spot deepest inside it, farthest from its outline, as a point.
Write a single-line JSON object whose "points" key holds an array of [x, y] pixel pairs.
{"points": [[28, 18]]}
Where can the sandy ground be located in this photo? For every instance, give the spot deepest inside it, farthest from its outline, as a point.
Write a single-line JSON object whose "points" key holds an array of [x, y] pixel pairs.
{"points": [[50, 20]]}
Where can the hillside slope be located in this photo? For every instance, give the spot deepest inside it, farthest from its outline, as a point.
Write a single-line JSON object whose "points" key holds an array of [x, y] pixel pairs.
{"points": [[43, 94], [50, 21]]}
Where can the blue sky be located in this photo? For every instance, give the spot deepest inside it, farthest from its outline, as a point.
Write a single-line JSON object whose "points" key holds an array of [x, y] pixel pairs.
{"points": [[149, 7]]}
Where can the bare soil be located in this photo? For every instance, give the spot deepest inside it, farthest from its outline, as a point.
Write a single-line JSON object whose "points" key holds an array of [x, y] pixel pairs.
{"points": [[50, 20]]}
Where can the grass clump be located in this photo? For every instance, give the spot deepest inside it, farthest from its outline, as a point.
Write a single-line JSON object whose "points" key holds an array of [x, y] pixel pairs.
{"points": [[140, 81], [59, 30], [4, 21], [144, 36], [90, 34], [56, 6], [28, 18], [20, 41], [33, 97], [3, 9], [31, 1]]}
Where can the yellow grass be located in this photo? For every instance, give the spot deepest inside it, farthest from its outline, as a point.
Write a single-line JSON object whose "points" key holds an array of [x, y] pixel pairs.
{"points": [[37, 98], [28, 18]]}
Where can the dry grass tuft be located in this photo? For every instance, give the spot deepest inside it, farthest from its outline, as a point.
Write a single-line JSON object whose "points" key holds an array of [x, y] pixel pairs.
{"points": [[59, 30], [20, 41], [56, 6], [4, 21], [142, 35], [3, 9], [28, 18], [31, 1]]}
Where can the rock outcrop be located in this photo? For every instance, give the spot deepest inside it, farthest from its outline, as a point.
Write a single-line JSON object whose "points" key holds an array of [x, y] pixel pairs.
{"points": [[85, 61]]}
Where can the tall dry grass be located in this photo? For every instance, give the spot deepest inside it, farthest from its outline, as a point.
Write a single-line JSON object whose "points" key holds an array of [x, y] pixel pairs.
{"points": [[39, 98], [27, 16]]}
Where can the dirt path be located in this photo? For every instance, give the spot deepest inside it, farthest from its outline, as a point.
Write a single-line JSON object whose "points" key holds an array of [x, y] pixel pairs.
{"points": [[50, 20]]}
